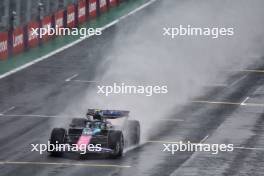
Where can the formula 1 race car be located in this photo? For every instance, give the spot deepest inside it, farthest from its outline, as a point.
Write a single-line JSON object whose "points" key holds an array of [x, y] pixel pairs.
{"points": [[102, 131]]}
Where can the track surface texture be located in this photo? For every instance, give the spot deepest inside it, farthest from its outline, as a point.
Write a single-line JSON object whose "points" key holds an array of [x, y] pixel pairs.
{"points": [[41, 90]]}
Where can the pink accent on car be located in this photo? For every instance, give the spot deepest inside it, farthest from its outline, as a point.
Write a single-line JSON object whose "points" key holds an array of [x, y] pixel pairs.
{"points": [[84, 141]]}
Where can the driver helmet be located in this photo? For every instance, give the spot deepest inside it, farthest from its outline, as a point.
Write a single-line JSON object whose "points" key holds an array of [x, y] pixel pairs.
{"points": [[98, 115], [89, 117]]}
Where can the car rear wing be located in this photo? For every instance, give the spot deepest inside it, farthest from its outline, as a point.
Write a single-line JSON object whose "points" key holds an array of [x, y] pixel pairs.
{"points": [[109, 114]]}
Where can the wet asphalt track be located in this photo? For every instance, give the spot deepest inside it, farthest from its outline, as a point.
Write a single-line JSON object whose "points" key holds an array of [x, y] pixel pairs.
{"points": [[41, 89]]}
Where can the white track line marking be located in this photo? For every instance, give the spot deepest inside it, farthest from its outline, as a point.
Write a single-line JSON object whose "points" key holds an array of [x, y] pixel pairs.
{"points": [[55, 116], [254, 71], [35, 115], [244, 102], [173, 142], [227, 103], [84, 81], [204, 139], [238, 80], [163, 142], [254, 104], [58, 163], [215, 102], [72, 77], [248, 148], [7, 110], [74, 42]]}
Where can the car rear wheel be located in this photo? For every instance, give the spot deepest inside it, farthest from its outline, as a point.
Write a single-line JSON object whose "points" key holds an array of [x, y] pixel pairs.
{"points": [[134, 132], [57, 137], [116, 143]]}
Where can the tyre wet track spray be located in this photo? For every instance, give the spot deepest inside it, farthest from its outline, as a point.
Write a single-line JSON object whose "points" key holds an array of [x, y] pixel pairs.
{"points": [[138, 56]]}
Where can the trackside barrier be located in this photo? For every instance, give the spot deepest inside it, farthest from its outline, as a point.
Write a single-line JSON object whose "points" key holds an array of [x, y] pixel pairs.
{"points": [[112, 3], [32, 38], [92, 6], [71, 16], [59, 19], [18, 40], [3, 45], [46, 23], [102, 6], [81, 11]]}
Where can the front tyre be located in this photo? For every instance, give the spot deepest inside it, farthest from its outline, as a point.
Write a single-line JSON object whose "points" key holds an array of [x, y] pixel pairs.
{"points": [[57, 137]]}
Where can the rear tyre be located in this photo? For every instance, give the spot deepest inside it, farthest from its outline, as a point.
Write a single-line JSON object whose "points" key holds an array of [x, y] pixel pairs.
{"points": [[134, 132], [116, 143], [57, 137]]}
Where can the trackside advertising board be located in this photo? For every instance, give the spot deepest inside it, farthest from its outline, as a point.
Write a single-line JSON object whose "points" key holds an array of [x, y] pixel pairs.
{"points": [[71, 22], [47, 24], [92, 8], [15, 41], [103, 6], [81, 11], [113, 3], [33, 39], [58, 16], [18, 40], [3, 45]]}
